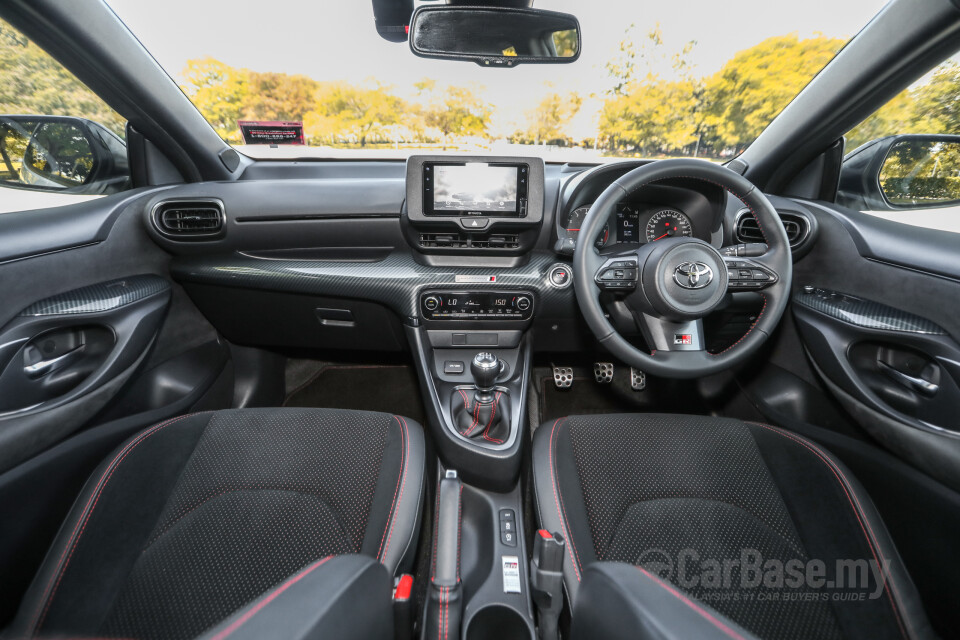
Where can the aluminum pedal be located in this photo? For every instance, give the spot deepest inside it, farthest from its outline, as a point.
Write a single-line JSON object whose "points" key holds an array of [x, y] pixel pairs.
{"points": [[638, 379], [603, 372], [563, 377]]}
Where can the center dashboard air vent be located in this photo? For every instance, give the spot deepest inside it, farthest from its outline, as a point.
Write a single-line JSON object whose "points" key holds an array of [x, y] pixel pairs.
{"points": [[797, 227], [466, 241], [189, 219]]}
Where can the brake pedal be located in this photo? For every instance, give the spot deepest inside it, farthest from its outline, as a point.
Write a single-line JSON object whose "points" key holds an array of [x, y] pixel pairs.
{"points": [[603, 372], [638, 379], [563, 377]]}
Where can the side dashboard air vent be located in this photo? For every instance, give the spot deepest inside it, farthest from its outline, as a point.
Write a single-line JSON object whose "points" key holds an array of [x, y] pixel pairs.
{"points": [[463, 241], [189, 218], [796, 226]]}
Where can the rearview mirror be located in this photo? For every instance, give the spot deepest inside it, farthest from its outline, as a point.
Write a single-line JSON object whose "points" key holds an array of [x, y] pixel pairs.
{"points": [[495, 37], [60, 153]]}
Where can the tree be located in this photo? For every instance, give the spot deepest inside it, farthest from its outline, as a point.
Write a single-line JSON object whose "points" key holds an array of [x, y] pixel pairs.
{"points": [[454, 111], [939, 99], [361, 114], [31, 82], [897, 116], [654, 116], [645, 60], [279, 96], [751, 89], [548, 121], [218, 91]]}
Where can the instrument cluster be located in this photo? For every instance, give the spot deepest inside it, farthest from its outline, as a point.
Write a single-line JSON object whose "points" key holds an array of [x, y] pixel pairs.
{"points": [[634, 224]]}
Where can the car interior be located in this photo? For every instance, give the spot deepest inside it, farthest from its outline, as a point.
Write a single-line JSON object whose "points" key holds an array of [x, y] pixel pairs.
{"points": [[462, 394]]}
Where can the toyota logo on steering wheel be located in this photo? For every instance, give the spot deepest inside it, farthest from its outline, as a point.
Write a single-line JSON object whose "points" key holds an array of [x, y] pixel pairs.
{"points": [[693, 275]]}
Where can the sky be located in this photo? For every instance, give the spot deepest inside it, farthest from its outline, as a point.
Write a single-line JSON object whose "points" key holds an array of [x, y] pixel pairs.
{"points": [[337, 40]]}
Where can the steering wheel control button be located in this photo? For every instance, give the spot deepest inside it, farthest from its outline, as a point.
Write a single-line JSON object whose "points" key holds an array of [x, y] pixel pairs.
{"points": [[559, 276], [453, 367], [748, 275], [618, 274]]}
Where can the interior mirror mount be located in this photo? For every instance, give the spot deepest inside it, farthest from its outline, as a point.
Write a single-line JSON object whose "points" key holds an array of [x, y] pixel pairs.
{"points": [[495, 36], [901, 173]]}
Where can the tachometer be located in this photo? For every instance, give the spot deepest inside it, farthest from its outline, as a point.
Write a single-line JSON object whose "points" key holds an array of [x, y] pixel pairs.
{"points": [[575, 221], [668, 223]]}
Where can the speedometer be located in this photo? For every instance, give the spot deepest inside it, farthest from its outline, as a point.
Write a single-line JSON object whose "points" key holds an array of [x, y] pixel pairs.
{"points": [[668, 223]]}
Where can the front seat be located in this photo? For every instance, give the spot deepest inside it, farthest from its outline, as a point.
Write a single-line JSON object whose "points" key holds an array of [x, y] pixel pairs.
{"points": [[722, 529], [244, 523]]}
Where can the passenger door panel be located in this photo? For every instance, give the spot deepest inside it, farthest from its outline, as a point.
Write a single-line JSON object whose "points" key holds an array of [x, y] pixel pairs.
{"points": [[88, 307], [64, 357]]}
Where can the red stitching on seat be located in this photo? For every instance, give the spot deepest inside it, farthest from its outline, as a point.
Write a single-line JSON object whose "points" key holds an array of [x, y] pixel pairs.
{"points": [[857, 511], [571, 548], [493, 413], [50, 590], [690, 603], [401, 482], [289, 582]]}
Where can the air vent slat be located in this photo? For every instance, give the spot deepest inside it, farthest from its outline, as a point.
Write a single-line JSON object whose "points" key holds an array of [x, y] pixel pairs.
{"points": [[748, 230], [462, 241], [189, 219]]}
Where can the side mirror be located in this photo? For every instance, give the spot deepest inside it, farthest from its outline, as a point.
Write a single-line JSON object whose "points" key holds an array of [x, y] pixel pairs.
{"points": [[495, 36], [61, 153], [902, 173]]}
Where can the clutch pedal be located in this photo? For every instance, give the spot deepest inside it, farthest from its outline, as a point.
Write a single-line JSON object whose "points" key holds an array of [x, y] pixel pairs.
{"points": [[638, 379], [563, 377], [603, 372]]}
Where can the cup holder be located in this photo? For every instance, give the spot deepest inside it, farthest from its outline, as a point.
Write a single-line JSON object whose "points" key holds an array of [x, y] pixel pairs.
{"points": [[497, 622]]}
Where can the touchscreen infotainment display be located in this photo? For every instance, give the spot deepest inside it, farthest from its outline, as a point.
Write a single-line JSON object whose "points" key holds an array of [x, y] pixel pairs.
{"points": [[474, 188]]}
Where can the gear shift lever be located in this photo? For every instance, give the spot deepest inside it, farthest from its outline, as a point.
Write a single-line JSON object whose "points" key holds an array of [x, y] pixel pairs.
{"points": [[485, 368], [485, 416]]}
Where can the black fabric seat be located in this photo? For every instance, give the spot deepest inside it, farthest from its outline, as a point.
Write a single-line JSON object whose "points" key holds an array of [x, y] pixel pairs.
{"points": [[716, 512], [237, 518]]}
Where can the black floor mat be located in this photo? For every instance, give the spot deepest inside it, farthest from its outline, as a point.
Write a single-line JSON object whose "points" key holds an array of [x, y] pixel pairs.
{"points": [[391, 389]]}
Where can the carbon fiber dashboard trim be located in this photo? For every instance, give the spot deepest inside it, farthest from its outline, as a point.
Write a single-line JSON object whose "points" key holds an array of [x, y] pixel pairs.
{"points": [[105, 296], [865, 313], [396, 281]]}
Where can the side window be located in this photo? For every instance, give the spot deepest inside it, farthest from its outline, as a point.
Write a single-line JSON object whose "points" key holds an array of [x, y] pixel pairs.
{"points": [[903, 162], [59, 142]]}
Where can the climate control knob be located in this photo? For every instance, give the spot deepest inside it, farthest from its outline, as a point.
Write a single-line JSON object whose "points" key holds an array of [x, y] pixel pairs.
{"points": [[431, 303], [523, 303]]}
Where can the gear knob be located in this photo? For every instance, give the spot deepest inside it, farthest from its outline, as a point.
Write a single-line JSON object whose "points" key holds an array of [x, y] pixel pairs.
{"points": [[485, 368]]}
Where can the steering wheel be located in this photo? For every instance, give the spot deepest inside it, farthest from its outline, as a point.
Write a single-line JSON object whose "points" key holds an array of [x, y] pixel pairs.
{"points": [[672, 284]]}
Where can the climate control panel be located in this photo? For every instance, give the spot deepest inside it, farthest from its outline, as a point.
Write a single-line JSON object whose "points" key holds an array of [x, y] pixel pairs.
{"points": [[476, 305]]}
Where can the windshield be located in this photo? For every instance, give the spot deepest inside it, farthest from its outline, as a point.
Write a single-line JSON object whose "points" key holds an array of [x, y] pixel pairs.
{"points": [[314, 79]]}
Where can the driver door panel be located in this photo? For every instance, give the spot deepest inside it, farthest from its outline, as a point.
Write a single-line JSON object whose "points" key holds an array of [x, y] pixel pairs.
{"points": [[880, 334]]}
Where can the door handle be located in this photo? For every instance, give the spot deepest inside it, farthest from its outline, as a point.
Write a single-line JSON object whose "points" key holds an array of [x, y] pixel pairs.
{"points": [[44, 367], [921, 386]]}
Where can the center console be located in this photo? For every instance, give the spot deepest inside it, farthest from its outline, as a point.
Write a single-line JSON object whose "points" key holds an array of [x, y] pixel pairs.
{"points": [[477, 219]]}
